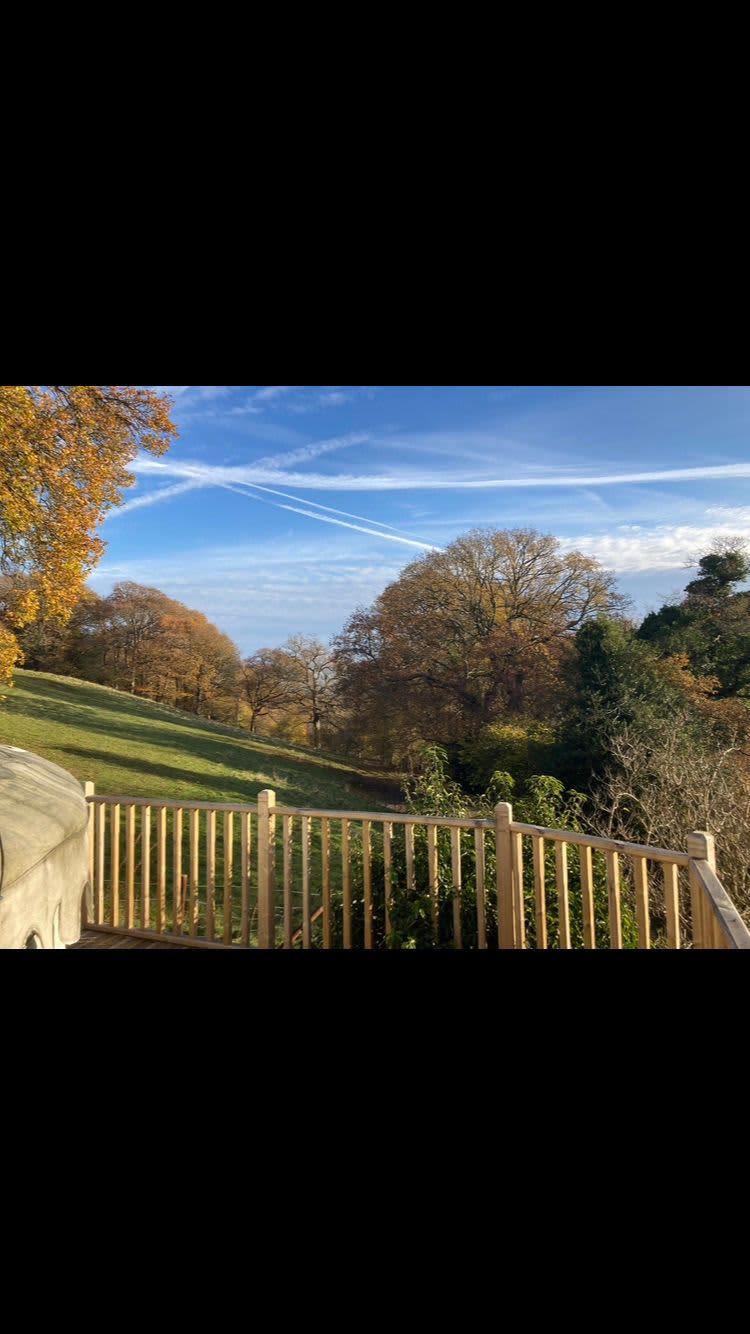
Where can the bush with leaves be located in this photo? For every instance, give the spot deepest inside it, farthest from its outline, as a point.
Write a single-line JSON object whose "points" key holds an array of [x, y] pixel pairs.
{"points": [[420, 919]]}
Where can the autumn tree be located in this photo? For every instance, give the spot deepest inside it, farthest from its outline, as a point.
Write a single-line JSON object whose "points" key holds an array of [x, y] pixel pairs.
{"points": [[211, 672], [266, 683], [135, 644], [64, 455], [471, 634], [138, 639], [311, 681]]}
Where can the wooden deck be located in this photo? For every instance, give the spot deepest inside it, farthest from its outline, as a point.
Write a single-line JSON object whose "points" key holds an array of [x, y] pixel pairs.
{"points": [[110, 940]]}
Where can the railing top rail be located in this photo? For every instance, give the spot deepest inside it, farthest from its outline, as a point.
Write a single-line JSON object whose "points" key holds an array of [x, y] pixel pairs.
{"points": [[170, 803], [729, 920], [394, 817], [388, 817], [607, 844]]}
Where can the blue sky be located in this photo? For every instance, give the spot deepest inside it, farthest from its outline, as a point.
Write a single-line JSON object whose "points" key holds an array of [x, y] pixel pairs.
{"points": [[281, 508]]}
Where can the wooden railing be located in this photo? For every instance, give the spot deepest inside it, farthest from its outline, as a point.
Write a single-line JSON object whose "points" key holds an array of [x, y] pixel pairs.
{"points": [[206, 873]]}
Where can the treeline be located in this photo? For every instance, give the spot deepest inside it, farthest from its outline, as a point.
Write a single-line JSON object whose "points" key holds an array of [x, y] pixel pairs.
{"points": [[138, 639]]}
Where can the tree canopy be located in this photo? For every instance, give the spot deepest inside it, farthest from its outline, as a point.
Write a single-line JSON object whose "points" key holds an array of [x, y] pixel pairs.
{"points": [[471, 633], [64, 455], [711, 625]]}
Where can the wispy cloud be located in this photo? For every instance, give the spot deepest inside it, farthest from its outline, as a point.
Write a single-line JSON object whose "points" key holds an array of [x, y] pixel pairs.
{"points": [[314, 451], [273, 391]]}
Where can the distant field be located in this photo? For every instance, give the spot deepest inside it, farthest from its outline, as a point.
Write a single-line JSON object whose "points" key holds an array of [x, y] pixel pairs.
{"points": [[128, 745]]}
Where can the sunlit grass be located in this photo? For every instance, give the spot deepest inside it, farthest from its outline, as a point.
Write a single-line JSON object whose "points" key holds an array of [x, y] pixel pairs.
{"points": [[128, 745]]}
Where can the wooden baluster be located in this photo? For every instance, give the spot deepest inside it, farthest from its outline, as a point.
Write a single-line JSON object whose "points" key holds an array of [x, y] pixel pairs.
{"points": [[519, 924], [287, 830], [210, 873], [325, 852], [245, 859], [613, 896], [101, 815], [479, 865], [367, 881], [227, 844], [640, 878], [194, 904], [432, 875], [114, 869], [130, 866], [346, 888], [306, 931], [409, 844], [178, 900], [671, 903], [387, 871], [563, 896], [539, 893], [587, 897], [161, 868], [146, 867], [456, 886]]}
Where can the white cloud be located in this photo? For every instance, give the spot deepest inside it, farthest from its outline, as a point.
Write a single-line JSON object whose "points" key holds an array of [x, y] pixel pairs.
{"points": [[659, 548], [734, 514], [273, 391]]}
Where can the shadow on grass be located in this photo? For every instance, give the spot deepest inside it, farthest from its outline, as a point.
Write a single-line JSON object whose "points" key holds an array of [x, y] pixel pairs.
{"points": [[68, 709], [226, 786]]}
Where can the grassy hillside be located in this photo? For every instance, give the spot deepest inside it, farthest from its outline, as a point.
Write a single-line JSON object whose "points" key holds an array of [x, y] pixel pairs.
{"points": [[131, 746]]}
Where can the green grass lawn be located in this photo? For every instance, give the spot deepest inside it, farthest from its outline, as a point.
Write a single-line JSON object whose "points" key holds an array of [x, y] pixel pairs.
{"points": [[131, 747], [128, 745]]}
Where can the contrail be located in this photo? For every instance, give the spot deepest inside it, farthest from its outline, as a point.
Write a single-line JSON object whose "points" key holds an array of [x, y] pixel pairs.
{"points": [[154, 497], [323, 518], [431, 481], [301, 501]]}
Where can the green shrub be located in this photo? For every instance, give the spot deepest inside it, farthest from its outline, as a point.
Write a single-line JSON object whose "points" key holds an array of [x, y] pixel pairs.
{"points": [[520, 748], [412, 912]]}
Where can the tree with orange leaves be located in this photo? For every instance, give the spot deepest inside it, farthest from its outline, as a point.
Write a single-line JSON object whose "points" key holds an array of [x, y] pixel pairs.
{"points": [[64, 455]]}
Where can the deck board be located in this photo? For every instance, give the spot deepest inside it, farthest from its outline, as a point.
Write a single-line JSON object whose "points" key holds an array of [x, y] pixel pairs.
{"points": [[106, 940]]}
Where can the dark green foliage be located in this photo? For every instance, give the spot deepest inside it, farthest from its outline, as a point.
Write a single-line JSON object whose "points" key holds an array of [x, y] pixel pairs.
{"points": [[719, 570], [616, 681], [712, 623], [522, 748], [546, 804]]}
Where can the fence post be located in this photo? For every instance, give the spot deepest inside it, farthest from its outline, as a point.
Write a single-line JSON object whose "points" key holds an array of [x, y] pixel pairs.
{"points": [[504, 872], [266, 870], [701, 847], [88, 898]]}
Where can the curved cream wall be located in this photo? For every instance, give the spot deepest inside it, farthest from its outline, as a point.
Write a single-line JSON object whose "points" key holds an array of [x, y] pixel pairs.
{"points": [[43, 852]]}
